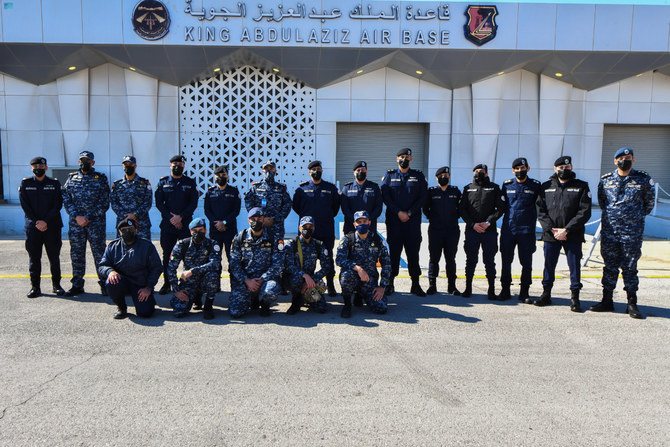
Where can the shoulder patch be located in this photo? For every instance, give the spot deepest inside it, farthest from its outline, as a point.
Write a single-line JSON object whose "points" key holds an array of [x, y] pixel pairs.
{"points": [[304, 183], [349, 184], [212, 187], [72, 174], [536, 181], [117, 181], [216, 247], [391, 171], [165, 178], [280, 245], [508, 181], [255, 183], [609, 174], [26, 178]]}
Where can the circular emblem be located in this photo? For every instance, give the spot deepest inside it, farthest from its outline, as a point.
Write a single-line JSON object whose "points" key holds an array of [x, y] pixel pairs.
{"points": [[567, 162], [151, 19], [626, 152]]}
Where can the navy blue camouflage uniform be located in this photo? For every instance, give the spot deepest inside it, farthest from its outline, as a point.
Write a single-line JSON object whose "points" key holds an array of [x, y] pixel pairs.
{"points": [[223, 204], [441, 209], [518, 228], [353, 251], [312, 251], [250, 257], [202, 260], [365, 197], [86, 195], [133, 196], [42, 200], [275, 201], [624, 201], [178, 196]]}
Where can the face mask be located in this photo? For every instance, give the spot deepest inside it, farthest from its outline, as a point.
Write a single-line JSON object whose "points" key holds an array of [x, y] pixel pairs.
{"points": [[177, 170], [198, 237], [221, 181], [256, 225], [269, 176], [316, 175], [307, 232], [128, 236], [521, 175], [39, 172], [360, 176], [403, 163], [130, 170], [85, 166], [624, 165], [443, 181], [479, 177], [564, 174], [362, 228]]}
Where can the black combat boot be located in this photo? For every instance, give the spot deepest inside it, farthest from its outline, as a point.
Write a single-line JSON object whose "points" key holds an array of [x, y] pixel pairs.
{"points": [[505, 293], [545, 298], [390, 289], [103, 288], [265, 310], [358, 300], [416, 288], [165, 288], [197, 301], [432, 289], [74, 291], [207, 311], [346, 310], [57, 289], [575, 305], [524, 296], [35, 291], [121, 312], [632, 309], [606, 304], [467, 293], [491, 292], [331, 287], [451, 287], [296, 304]]}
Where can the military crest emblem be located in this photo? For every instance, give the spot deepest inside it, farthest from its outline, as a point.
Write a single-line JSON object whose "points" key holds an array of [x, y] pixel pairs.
{"points": [[481, 25], [151, 19]]}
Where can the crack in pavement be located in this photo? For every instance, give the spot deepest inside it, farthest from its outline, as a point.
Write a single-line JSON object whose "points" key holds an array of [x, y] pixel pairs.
{"points": [[41, 387]]}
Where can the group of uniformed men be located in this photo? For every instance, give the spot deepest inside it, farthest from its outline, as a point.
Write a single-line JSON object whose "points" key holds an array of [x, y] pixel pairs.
{"points": [[262, 263]]}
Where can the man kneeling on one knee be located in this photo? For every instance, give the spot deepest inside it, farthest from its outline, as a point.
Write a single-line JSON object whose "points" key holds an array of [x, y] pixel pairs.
{"points": [[357, 257], [131, 266]]}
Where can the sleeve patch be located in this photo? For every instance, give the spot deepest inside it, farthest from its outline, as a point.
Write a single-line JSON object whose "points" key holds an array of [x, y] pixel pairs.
{"points": [[589, 194]]}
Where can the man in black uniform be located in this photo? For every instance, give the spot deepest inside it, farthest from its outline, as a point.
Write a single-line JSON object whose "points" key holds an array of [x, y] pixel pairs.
{"points": [[404, 191], [481, 206], [131, 266], [360, 195], [320, 200], [441, 209], [176, 199], [41, 201], [563, 209]]}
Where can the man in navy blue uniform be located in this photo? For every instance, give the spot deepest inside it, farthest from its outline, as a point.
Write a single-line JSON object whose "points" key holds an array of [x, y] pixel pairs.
{"points": [[481, 206], [273, 198], [361, 194], [41, 201], [131, 266], [441, 209], [131, 197], [176, 199], [625, 196], [404, 191], [518, 229], [563, 209], [319, 199]]}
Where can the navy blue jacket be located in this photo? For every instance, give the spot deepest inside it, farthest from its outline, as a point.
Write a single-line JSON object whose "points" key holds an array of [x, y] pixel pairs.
{"points": [[441, 208], [322, 202], [139, 262], [41, 200], [357, 197], [482, 203], [564, 205], [178, 196], [521, 214], [222, 205], [404, 192]]}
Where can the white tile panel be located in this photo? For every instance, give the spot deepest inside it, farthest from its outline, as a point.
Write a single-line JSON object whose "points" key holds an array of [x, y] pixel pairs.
{"points": [[165, 89], [574, 27], [326, 127], [401, 86], [636, 89], [139, 85], [118, 113], [594, 130], [367, 110], [650, 28], [49, 113], [22, 112], [660, 113], [22, 22], [462, 93], [634, 113], [341, 90], [168, 114], [601, 112], [509, 117], [461, 151], [432, 92], [52, 148], [484, 149], [333, 109], [61, 21], [537, 26], [120, 143], [98, 143], [486, 116], [73, 84], [369, 86], [22, 146], [325, 149], [440, 128], [99, 80], [167, 144], [3, 115], [402, 111], [50, 88], [145, 147], [551, 88], [508, 150], [99, 112], [117, 80], [17, 87], [435, 111], [574, 145], [75, 141], [607, 93], [613, 17], [461, 117], [109, 30], [593, 147], [439, 151], [74, 112], [142, 111], [528, 117], [661, 88], [550, 147], [575, 118], [488, 89], [529, 147], [530, 86]]}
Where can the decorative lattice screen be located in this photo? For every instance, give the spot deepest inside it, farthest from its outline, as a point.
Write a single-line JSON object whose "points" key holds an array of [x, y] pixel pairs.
{"points": [[242, 118]]}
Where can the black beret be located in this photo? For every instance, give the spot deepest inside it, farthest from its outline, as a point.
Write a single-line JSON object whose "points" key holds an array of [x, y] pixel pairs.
{"points": [[563, 160], [221, 170], [178, 158], [127, 222], [442, 170], [314, 164], [38, 160], [519, 162], [404, 151], [481, 166], [360, 164]]}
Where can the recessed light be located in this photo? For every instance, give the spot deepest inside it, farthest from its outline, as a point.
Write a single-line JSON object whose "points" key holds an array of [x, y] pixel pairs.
{"points": [[359, 72], [72, 68], [637, 76], [217, 69], [276, 70], [419, 72], [501, 73], [559, 75]]}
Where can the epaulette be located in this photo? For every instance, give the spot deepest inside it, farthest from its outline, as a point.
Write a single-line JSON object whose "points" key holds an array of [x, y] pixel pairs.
{"points": [[304, 184], [609, 174], [536, 181], [391, 171], [118, 181], [72, 174], [433, 187], [643, 172], [508, 181], [255, 183], [212, 187], [349, 184], [164, 178]]}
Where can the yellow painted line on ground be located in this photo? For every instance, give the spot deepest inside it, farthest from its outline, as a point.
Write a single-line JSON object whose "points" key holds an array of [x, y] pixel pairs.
{"points": [[399, 276]]}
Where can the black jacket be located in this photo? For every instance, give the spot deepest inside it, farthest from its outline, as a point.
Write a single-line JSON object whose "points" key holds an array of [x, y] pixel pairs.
{"points": [[41, 200], [138, 262], [482, 203], [564, 205]]}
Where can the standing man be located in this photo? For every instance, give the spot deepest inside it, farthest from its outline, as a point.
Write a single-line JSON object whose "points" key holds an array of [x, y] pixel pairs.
{"points": [[361, 194], [518, 229], [131, 266], [41, 201], [563, 208], [481, 206], [625, 196], [176, 199], [86, 200], [441, 209], [357, 257], [131, 198], [222, 206], [404, 191], [256, 260], [273, 198], [320, 200]]}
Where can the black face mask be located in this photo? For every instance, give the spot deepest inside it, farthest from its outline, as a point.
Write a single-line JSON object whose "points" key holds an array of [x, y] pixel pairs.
{"points": [[198, 236], [256, 225], [443, 181], [361, 176], [129, 170], [564, 174], [39, 172], [177, 170], [521, 175], [624, 165], [479, 177], [403, 163], [316, 175], [221, 181], [128, 236], [307, 232], [85, 166]]}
